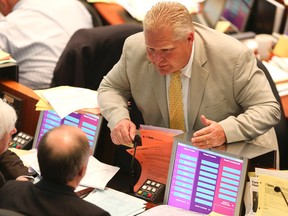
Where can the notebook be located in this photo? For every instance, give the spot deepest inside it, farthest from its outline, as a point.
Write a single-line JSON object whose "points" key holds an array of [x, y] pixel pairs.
{"points": [[205, 181], [210, 14], [89, 123]]}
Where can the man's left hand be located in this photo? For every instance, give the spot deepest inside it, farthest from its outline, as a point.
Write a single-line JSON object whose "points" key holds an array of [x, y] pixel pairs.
{"points": [[212, 135]]}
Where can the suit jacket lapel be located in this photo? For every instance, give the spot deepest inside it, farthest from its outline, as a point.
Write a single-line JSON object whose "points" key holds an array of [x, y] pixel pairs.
{"points": [[198, 81]]}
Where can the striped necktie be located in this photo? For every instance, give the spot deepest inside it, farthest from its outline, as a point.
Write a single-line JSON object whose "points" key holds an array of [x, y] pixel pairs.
{"points": [[176, 113]]}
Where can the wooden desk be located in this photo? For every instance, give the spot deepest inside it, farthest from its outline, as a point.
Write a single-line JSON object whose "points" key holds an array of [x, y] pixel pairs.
{"points": [[28, 116]]}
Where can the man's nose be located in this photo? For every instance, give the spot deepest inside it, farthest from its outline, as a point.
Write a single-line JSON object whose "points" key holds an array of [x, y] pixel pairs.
{"points": [[157, 57]]}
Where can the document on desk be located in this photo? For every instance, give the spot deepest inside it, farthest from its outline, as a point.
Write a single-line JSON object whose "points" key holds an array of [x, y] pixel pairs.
{"points": [[116, 203], [67, 99], [172, 211], [5, 57], [97, 175], [154, 154], [273, 195]]}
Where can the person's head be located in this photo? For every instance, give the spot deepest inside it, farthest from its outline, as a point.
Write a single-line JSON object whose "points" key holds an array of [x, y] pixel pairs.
{"points": [[6, 6], [8, 119], [63, 154], [169, 35]]}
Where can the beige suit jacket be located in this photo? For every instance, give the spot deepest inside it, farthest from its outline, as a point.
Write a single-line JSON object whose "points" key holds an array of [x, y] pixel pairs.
{"points": [[226, 86]]}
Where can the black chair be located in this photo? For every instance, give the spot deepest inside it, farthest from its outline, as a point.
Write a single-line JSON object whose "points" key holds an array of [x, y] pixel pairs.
{"points": [[90, 54], [281, 128]]}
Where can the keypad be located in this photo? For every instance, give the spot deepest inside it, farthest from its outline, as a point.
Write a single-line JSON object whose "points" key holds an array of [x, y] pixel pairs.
{"points": [[151, 191], [21, 140]]}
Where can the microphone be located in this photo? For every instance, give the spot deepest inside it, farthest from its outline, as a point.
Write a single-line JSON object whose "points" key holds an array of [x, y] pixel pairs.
{"points": [[277, 189], [136, 142]]}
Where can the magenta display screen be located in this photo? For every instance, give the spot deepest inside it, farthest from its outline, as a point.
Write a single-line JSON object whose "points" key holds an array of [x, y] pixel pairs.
{"points": [[89, 123], [205, 181], [237, 12]]}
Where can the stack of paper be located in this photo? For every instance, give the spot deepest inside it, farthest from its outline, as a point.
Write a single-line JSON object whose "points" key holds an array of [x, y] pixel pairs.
{"points": [[5, 57], [116, 203], [268, 193], [156, 143], [67, 99]]}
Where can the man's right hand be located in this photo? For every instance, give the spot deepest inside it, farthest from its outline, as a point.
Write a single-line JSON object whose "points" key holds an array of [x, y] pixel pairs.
{"points": [[124, 132]]}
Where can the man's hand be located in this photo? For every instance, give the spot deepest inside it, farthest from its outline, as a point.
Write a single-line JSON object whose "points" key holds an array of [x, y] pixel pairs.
{"points": [[210, 136], [123, 132]]}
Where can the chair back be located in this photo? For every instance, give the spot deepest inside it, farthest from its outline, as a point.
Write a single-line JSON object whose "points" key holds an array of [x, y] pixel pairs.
{"points": [[281, 128]]}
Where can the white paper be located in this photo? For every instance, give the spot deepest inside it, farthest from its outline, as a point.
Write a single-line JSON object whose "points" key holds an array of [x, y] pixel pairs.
{"points": [[97, 175], [169, 211], [116, 203], [67, 99], [166, 130], [272, 172]]}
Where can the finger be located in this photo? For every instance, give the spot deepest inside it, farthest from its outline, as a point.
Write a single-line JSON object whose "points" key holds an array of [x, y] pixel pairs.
{"points": [[205, 121], [114, 138], [202, 132], [132, 131], [201, 136], [117, 135], [205, 144]]}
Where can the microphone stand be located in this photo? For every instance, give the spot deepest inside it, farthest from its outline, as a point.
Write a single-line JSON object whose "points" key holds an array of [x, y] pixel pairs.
{"points": [[277, 189], [136, 142]]}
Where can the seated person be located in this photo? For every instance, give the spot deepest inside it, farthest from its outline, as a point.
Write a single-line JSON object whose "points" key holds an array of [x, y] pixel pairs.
{"points": [[35, 32], [11, 166], [63, 155]]}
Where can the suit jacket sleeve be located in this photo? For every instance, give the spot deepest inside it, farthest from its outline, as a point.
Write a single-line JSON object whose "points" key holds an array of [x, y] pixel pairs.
{"points": [[12, 166]]}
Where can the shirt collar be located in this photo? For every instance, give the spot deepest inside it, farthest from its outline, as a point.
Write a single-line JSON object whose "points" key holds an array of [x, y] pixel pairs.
{"points": [[187, 70]]}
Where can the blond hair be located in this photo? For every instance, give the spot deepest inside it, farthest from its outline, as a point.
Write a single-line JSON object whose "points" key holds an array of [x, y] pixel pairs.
{"points": [[169, 15]]}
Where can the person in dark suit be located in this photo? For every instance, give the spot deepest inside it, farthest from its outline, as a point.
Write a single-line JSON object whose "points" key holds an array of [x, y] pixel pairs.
{"points": [[11, 166], [63, 155]]}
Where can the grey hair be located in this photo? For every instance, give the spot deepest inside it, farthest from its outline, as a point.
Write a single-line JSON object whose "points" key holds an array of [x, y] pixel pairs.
{"points": [[172, 15], [8, 118]]}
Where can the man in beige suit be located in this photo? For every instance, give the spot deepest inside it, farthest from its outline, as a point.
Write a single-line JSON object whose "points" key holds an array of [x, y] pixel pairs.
{"points": [[226, 97]]}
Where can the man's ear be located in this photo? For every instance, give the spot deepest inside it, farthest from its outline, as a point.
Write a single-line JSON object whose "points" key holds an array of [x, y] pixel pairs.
{"points": [[82, 171], [13, 131], [191, 37]]}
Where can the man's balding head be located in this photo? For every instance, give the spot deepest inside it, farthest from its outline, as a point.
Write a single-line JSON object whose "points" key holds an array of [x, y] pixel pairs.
{"points": [[62, 152]]}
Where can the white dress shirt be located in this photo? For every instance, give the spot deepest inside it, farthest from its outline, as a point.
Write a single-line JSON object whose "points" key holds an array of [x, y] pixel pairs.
{"points": [[35, 34]]}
